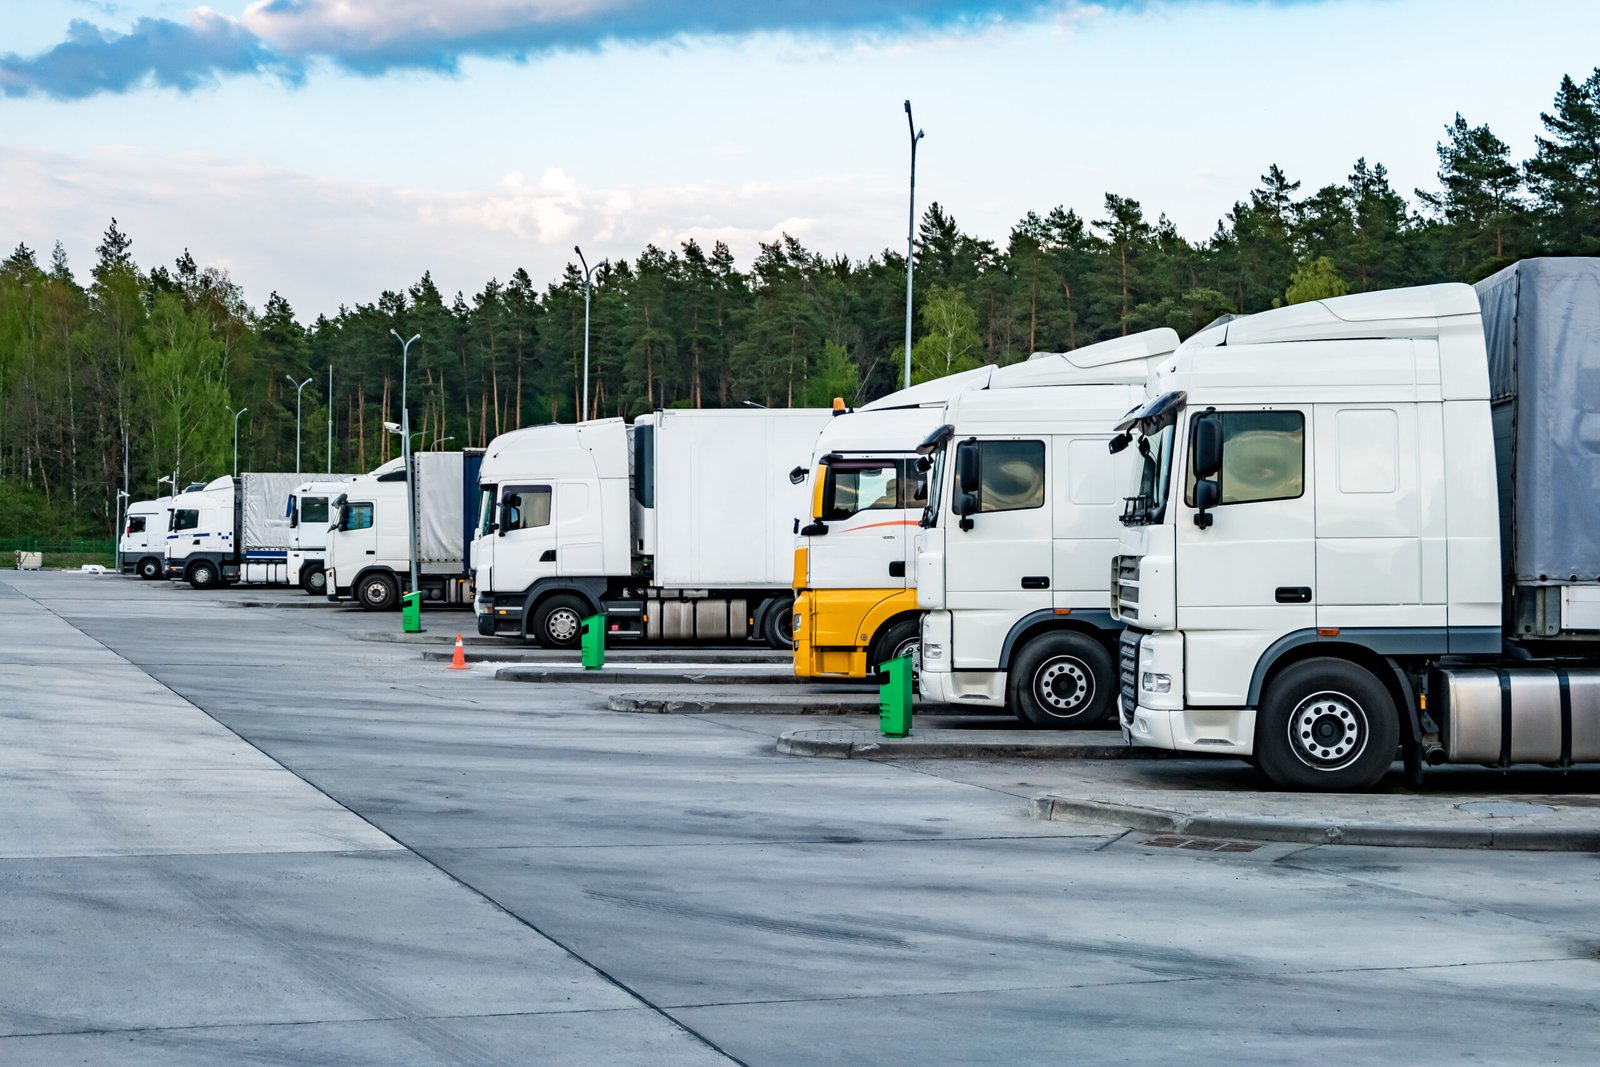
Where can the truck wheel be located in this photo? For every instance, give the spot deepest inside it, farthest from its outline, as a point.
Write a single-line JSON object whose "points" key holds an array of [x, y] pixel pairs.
{"points": [[378, 592], [1063, 681], [313, 580], [149, 568], [777, 626], [203, 575], [558, 622], [902, 638], [1328, 725]]}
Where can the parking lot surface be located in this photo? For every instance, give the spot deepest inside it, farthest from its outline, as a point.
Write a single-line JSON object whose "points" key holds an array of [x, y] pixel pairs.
{"points": [[235, 833]]}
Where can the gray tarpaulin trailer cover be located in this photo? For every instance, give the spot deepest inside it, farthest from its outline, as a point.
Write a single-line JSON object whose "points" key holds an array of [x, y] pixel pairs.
{"points": [[1541, 323]]}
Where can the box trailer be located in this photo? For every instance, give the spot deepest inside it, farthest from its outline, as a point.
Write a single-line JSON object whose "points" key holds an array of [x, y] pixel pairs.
{"points": [[679, 528]]}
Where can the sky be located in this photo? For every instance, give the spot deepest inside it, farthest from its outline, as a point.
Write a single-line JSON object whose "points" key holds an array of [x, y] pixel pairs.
{"points": [[331, 149]]}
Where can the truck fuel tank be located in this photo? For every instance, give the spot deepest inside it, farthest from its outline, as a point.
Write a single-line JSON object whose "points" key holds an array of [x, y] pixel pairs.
{"points": [[1521, 714]]}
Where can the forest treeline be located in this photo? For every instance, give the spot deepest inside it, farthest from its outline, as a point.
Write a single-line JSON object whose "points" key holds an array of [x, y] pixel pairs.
{"points": [[142, 369]]}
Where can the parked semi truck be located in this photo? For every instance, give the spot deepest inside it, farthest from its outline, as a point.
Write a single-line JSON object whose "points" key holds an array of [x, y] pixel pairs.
{"points": [[1020, 528], [679, 527], [233, 530], [368, 553], [1368, 523], [855, 568], [309, 518], [142, 548]]}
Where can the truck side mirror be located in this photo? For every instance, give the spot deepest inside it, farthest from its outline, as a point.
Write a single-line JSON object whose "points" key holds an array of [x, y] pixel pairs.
{"points": [[814, 529], [798, 475], [1207, 446], [505, 518], [965, 505], [1119, 442], [1207, 495], [967, 475]]}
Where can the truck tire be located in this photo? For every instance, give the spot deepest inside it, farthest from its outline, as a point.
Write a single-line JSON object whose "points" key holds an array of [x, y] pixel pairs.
{"points": [[313, 580], [203, 575], [898, 639], [1063, 681], [558, 622], [378, 592], [149, 568], [1326, 724], [777, 625]]}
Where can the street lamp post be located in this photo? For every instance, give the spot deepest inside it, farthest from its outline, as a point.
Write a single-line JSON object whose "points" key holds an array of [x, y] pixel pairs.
{"points": [[236, 415], [297, 387], [329, 467], [588, 273], [911, 230], [405, 447]]}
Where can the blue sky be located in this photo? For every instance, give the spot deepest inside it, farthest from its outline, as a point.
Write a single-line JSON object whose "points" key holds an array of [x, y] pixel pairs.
{"points": [[333, 148]]}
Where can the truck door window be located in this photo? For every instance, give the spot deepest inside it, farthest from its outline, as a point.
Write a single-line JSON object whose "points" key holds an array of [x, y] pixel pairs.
{"points": [[527, 507], [486, 519], [1011, 475], [356, 517], [135, 524], [1263, 457], [185, 518], [853, 487], [314, 510]]}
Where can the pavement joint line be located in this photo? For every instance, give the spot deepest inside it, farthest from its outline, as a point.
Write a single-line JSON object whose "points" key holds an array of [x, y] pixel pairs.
{"points": [[188, 1027], [1249, 976], [480, 894], [808, 842]]}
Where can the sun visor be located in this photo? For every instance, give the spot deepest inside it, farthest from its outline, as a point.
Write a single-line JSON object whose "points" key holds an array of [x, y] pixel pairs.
{"points": [[1161, 409]]}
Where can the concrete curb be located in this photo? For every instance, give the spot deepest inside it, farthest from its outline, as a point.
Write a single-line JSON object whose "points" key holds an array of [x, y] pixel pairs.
{"points": [[691, 706], [568, 660], [835, 744], [1313, 831], [578, 676]]}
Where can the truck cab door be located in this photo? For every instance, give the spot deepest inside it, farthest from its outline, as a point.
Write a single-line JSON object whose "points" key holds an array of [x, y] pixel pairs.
{"points": [[1247, 566], [865, 513], [527, 547], [998, 546]]}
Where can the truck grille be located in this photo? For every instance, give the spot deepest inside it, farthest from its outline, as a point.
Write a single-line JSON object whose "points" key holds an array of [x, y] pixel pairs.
{"points": [[1128, 673], [1126, 589]]}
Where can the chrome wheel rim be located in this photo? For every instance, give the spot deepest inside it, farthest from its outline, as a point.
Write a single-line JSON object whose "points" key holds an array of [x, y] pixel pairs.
{"points": [[563, 625], [1064, 686], [1328, 731], [376, 593]]}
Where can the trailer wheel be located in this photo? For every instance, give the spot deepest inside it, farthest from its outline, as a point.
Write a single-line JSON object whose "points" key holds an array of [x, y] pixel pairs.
{"points": [[903, 638], [1327, 725], [1063, 681], [203, 575], [313, 579], [558, 622], [149, 568], [378, 592], [777, 626]]}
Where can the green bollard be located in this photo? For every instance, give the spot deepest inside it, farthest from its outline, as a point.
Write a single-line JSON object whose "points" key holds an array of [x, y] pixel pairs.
{"points": [[894, 697], [594, 642], [411, 613]]}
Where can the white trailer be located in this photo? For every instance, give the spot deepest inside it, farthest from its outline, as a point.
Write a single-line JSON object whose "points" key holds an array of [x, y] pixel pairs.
{"points": [[1367, 523], [368, 553], [234, 530], [1020, 528], [309, 518], [679, 527], [142, 548]]}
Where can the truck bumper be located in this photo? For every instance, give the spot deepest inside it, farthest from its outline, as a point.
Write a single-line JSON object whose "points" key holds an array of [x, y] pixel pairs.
{"points": [[502, 621], [938, 683], [1214, 731]]}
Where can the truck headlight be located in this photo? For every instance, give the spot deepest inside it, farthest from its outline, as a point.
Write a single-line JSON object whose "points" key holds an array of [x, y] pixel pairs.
{"points": [[933, 652], [1152, 682]]}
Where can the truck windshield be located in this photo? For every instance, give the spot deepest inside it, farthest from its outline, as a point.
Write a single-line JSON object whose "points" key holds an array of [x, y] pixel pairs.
{"points": [[185, 518], [1154, 477], [930, 513], [854, 486]]}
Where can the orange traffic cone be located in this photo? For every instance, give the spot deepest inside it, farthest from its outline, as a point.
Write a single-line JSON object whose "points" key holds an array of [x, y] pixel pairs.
{"points": [[459, 662]]}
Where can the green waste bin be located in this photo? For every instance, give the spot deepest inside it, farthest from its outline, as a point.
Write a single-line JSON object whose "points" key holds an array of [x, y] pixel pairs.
{"points": [[594, 642], [411, 613], [894, 697]]}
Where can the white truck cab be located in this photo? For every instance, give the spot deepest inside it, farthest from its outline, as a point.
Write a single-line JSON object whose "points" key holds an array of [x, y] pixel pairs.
{"points": [[1020, 528], [1312, 570], [309, 518], [142, 547]]}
